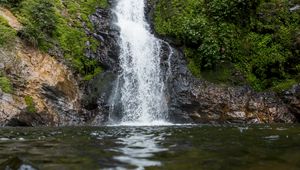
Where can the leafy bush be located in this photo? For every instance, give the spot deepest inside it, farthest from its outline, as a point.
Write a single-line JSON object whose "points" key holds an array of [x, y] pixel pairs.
{"points": [[10, 3], [40, 20], [234, 11], [7, 34]]}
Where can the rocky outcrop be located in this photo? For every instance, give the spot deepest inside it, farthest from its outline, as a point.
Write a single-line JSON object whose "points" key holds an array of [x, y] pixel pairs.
{"points": [[105, 32], [291, 97], [48, 85], [194, 100], [97, 92], [45, 91]]}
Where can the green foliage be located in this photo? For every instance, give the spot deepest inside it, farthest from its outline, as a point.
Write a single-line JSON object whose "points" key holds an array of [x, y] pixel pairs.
{"points": [[7, 34], [220, 75], [5, 84], [92, 75], [40, 19], [284, 85], [30, 104], [192, 65], [234, 11], [57, 24], [261, 38]]}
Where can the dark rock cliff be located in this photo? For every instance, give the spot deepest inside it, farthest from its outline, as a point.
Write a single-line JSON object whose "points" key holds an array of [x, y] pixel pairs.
{"points": [[97, 91], [194, 100]]}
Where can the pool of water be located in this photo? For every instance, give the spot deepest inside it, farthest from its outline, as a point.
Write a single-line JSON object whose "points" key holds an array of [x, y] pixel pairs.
{"points": [[159, 147]]}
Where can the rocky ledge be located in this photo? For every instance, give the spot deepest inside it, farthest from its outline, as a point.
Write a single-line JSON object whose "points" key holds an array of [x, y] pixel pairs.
{"points": [[199, 101]]}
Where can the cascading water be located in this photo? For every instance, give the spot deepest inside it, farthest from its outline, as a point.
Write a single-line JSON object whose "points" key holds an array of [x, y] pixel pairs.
{"points": [[140, 83]]}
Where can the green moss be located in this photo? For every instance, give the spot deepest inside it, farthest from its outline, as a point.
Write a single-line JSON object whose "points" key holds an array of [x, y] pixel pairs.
{"points": [[5, 85], [30, 104], [7, 34]]}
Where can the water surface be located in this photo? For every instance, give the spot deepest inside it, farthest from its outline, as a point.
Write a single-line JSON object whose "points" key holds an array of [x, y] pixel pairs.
{"points": [[169, 147]]}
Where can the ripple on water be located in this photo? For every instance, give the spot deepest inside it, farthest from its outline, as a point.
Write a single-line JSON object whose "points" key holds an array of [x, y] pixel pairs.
{"points": [[272, 137]]}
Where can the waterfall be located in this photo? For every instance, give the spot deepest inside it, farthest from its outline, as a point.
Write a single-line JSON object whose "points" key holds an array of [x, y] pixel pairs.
{"points": [[141, 82]]}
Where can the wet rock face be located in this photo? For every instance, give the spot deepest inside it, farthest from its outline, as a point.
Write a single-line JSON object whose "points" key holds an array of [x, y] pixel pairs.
{"points": [[292, 99], [107, 34], [238, 105], [193, 100], [97, 92]]}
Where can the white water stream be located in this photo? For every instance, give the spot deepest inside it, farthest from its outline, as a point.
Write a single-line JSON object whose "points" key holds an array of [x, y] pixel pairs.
{"points": [[141, 83]]}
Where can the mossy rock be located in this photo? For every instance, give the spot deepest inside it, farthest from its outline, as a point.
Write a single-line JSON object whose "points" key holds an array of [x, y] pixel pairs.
{"points": [[30, 104], [5, 85]]}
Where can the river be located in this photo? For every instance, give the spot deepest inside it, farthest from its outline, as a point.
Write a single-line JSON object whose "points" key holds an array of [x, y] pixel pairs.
{"points": [[179, 147]]}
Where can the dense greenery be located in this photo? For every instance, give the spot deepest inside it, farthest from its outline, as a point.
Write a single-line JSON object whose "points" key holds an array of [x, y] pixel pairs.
{"points": [[257, 39], [7, 34], [57, 26]]}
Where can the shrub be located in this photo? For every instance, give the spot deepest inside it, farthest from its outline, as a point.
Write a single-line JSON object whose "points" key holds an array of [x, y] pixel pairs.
{"points": [[40, 19], [7, 34]]}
